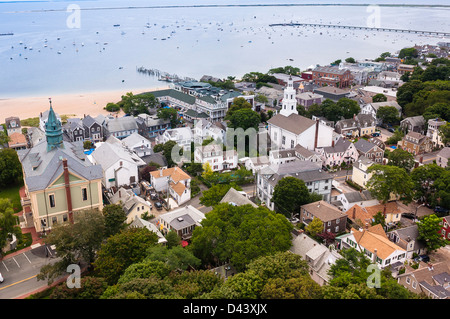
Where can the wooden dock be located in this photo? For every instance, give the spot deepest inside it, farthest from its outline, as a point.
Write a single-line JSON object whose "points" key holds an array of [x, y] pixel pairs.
{"points": [[339, 26]]}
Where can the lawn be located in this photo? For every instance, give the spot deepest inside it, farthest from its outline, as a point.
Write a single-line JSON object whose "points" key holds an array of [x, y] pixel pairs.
{"points": [[12, 192]]}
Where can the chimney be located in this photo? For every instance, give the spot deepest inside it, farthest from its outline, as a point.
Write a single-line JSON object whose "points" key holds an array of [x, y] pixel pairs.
{"points": [[160, 172], [120, 194], [384, 211], [332, 143], [367, 225], [374, 256], [354, 213], [67, 187], [316, 137]]}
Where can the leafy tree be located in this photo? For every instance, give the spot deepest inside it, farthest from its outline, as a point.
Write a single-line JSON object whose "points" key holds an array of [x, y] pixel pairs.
{"points": [[158, 148], [408, 53], [90, 288], [293, 288], [77, 242], [172, 239], [122, 250], [8, 221], [314, 228], [244, 118], [331, 110], [424, 178], [315, 110], [176, 257], [442, 185], [234, 234], [396, 137], [214, 195], [387, 181], [112, 107], [289, 194], [10, 168], [388, 114], [429, 228], [168, 113], [349, 107], [137, 104], [4, 138], [401, 158], [337, 62], [380, 97], [207, 171], [444, 132], [438, 110], [145, 269], [115, 218], [167, 152], [350, 60], [378, 218], [239, 103]]}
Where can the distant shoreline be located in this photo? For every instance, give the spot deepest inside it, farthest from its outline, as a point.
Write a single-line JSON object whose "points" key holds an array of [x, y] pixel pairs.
{"points": [[77, 104], [249, 5]]}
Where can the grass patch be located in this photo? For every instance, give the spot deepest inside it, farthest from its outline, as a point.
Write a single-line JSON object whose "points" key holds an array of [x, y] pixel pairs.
{"points": [[12, 193]]}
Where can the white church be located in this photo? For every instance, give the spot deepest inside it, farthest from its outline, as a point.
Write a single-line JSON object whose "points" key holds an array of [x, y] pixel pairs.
{"points": [[288, 129]]}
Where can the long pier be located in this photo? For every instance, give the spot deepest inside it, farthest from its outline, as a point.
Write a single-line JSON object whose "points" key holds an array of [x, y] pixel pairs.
{"points": [[339, 26]]}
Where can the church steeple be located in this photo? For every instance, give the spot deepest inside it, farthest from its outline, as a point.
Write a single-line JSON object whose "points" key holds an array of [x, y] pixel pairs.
{"points": [[289, 105], [53, 130]]}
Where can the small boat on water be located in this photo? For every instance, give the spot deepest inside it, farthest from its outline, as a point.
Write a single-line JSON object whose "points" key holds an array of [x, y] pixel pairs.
{"points": [[116, 25]]}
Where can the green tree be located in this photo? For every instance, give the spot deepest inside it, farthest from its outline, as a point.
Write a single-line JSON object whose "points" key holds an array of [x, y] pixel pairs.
{"points": [[349, 107], [4, 139], [75, 242], [379, 98], [408, 53], [350, 60], [401, 158], [239, 103], [444, 132], [167, 152], [314, 228], [388, 114], [176, 257], [122, 250], [424, 178], [214, 195], [10, 168], [8, 221], [244, 118], [234, 234], [168, 113], [90, 288], [293, 288], [387, 181], [289, 194], [115, 218], [172, 239], [379, 219], [137, 104], [429, 228], [331, 110], [442, 185], [112, 107]]}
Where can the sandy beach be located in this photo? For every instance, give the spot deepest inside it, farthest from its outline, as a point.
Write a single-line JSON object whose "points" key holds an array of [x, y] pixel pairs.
{"points": [[78, 105]]}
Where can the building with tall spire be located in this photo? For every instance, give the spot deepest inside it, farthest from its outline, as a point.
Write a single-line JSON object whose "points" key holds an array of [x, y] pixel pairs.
{"points": [[289, 105], [59, 180]]}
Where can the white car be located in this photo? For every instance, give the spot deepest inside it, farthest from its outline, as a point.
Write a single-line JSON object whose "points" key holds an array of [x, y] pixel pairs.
{"points": [[1, 278]]}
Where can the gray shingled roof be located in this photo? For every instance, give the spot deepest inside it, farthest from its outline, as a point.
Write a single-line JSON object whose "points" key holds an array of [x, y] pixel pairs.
{"points": [[50, 164], [341, 146], [233, 196], [126, 123], [364, 146]]}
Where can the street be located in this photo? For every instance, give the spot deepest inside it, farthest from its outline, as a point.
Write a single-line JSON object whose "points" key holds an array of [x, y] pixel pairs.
{"points": [[20, 271]]}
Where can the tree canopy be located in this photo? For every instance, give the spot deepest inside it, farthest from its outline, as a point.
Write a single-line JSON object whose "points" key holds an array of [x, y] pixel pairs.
{"points": [[240, 234]]}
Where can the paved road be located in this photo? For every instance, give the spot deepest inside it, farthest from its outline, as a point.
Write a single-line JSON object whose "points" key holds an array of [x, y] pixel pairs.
{"points": [[19, 272], [427, 158]]}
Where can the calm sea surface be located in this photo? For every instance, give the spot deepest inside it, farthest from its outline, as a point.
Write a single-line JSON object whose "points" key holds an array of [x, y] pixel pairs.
{"points": [[99, 50]]}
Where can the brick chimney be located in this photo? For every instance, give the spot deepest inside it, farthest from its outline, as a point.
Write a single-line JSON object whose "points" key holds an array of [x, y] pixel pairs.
{"points": [[67, 187], [354, 213], [316, 137]]}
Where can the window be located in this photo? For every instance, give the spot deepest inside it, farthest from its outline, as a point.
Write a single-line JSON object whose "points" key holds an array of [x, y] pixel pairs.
{"points": [[408, 280], [84, 193], [336, 230], [51, 199], [414, 284], [284, 139], [64, 217], [54, 220], [329, 223]]}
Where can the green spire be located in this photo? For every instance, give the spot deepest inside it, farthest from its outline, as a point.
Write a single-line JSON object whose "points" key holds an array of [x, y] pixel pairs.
{"points": [[53, 130]]}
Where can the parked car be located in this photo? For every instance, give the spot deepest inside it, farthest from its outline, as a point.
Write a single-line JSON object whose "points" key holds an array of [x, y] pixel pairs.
{"points": [[391, 129], [439, 209], [376, 134], [424, 258], [158, 205], [1, 278], [153, 196], [409, 215]]}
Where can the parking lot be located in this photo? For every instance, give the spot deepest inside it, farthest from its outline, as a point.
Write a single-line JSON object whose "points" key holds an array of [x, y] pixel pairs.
{"points": [[19, 271]]}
